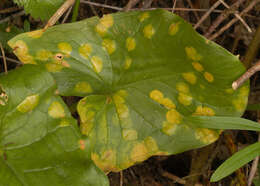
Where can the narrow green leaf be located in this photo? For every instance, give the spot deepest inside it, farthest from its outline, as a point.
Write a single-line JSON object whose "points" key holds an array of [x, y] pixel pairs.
{"points": [[218, 122], [236, 161]]}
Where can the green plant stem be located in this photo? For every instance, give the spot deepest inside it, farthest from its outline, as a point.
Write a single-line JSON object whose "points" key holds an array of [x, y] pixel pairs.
{"points": [[75, 11], [253, 48]]}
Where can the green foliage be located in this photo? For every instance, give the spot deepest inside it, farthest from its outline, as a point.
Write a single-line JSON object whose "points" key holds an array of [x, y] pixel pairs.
{"points": [[147, 79], [253, 107], [257, 179], [7, 32], [236, 161], [42, 9], [40, 143]]}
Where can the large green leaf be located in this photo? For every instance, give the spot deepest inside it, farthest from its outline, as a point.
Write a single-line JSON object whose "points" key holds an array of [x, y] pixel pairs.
{"points": [[144, 75], [39, 140], [42, 9]]}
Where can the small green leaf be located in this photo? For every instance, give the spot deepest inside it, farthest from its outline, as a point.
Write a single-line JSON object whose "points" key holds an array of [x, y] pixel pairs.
{"points": [[43, 9], [257, 178], [143, 75], [40, 143], [7, 32], [236, 161]]}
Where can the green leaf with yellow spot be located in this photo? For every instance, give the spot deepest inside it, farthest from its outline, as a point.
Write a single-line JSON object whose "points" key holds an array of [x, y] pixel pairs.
{"points": [[145, 77], [40, 143]]}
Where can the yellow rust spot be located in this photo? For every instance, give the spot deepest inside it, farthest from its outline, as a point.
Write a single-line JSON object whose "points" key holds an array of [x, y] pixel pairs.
{"points": [[197, 66], [184, 95], [148, 31], [107, 160], [173, 28], [44, 55], [158, 96], [209, 77], [85, 50], [144, 16], [104, 23], [182, 87], [151, 145], [204, 111], [161, 153], [97, 63], [128, 63], [28, 104], [81, 144], [119, 100], [243, 92], [192, 54], [206, 135], [83, 87], [168, 103], [139, 152], [240, 103], [202, 86], [169, 128], [20, 49], [229, 91], [130, 43], [109, 45], [56, 110], [35, 34], [122, 93], [129, 134], [173, 116], [53, 67], [87, 123], [184, 99], [64, 123], [190, 77], [65, 47]]}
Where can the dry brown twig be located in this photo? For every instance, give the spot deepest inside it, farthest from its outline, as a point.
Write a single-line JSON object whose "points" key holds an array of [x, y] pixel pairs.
{"points": [[194, 12], [222, 17], [130, 4], [9, 10], [234, 20], [174, 5], [121, 178], [173, 177], [236, 84], [21, 13], [4, 59], [67, 15], [237, 16], [207, 14], [170, 9], [11, 60], [59, 13]]}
